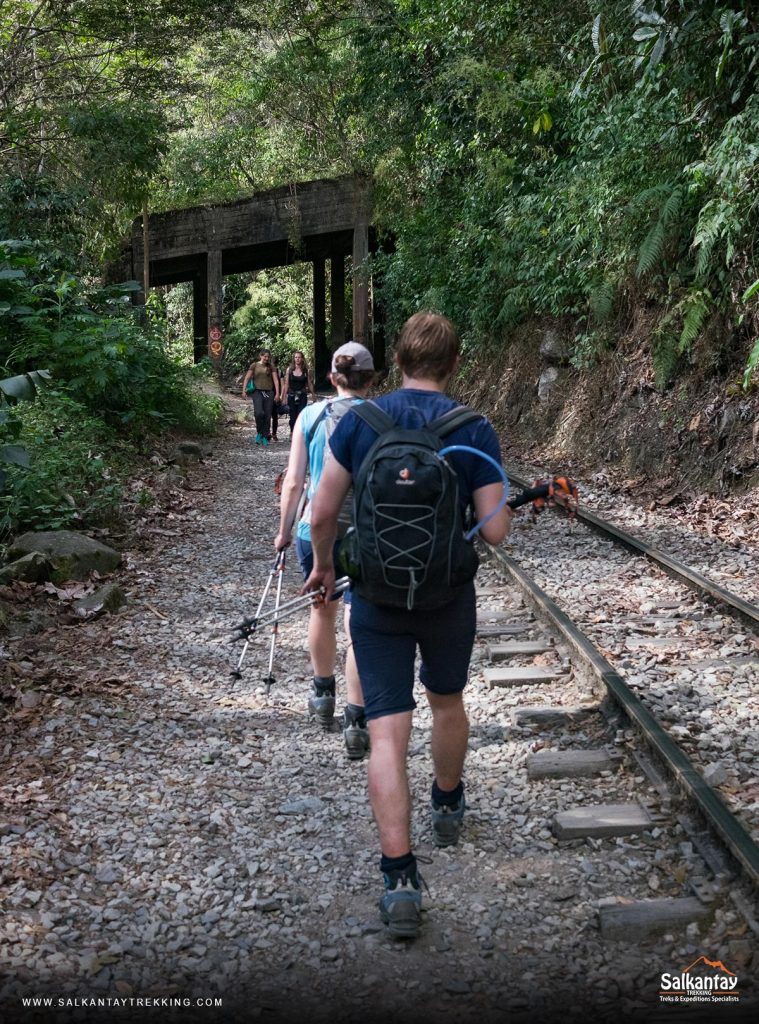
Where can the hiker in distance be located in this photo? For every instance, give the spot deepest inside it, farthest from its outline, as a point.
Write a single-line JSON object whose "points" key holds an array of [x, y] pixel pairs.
{"points": [[352, 375], [298, 385], [265, 393], [415, 585]]}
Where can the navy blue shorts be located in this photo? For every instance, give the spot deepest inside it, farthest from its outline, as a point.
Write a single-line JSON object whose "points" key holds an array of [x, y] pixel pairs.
{"points": [[385, 642], [305, 554]]}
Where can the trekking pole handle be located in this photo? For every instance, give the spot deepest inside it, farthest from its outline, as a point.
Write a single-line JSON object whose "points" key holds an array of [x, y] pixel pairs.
{"points": [[488, 458]]}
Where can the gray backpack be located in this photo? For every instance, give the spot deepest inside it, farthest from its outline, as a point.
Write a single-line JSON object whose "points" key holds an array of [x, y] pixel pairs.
{"points": [[328, 419]]}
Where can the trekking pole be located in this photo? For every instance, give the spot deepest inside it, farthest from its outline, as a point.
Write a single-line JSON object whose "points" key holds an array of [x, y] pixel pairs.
{"points": [[247, 628], [269, 679], [236, 672]]}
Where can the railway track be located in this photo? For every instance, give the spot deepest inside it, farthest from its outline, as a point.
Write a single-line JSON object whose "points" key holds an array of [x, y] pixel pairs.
{"points": [[632, 669]]}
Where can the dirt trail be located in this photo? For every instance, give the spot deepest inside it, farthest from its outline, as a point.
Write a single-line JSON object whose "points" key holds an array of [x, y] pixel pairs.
{"points": [[171, 834]]}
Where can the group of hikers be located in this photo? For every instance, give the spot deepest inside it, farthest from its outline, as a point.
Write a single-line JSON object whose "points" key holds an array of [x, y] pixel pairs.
{"points": [[274, 392], [414, 569]]}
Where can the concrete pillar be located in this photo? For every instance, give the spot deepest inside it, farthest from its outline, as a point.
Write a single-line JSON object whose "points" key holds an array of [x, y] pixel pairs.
{"points": [[337, 300], [215, 329], [321, 352], [361, 279], [200, 312], [379, 340]]}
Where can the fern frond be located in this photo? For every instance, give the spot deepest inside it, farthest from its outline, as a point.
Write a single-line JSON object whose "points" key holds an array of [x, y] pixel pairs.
{"points": [[698, 305], [671, 209], [657, 192], [601, 300], [651, 249], [709, 228], [751, 365]]}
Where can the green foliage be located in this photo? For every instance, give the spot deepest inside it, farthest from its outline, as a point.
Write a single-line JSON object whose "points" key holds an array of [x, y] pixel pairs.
{"points": [[677, 332], [696, 307], [76, 468], [753, 360], [274, 313], [665, 356], [91, 342], [652, 248], [588, 348], [528, 159], [601, 301]]}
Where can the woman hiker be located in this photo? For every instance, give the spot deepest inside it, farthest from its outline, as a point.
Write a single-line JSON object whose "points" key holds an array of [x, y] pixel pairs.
{"points": [[298, 386], [352, 375], [266, 393]]}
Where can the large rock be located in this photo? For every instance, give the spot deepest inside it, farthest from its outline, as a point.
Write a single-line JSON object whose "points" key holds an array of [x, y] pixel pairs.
{"points": [[553, 348], [31, 568], [73, 555], [547, 381], [189, 451], [107, 599]]}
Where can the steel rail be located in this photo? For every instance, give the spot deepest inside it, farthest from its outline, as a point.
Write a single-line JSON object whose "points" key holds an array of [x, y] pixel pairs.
{"points": [[746, 611], [709, 802]]}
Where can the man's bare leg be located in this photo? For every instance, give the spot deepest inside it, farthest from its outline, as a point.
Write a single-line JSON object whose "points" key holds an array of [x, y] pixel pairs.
{"points": [[388, 782]]}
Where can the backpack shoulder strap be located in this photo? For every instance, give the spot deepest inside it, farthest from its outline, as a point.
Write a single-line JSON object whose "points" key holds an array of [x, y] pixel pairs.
{"points": [[375, 417], [452, 420], [307, 436]]}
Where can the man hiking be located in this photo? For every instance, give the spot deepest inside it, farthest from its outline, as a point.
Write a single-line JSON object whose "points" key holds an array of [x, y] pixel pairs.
{"points": [[387, 628]]}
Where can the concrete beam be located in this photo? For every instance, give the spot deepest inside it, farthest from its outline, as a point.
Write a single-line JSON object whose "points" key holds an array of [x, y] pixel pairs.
{"points": [[647, 919], [199, 312], [567, 764], [281, 215], [361, 283], [600, 821]]}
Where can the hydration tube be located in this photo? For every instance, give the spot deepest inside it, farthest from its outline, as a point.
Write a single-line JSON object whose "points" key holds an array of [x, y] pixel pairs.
{"points": [[488, 458]]}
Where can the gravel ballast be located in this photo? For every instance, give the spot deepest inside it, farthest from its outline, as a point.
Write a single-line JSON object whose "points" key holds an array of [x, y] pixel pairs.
{"points": [[169, 832]]}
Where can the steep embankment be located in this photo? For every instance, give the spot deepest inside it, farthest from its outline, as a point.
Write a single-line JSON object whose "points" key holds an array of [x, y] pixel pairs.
{"points": [[613, 424]]}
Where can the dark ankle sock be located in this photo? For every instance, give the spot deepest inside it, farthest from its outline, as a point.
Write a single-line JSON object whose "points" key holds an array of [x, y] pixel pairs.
{"points": [[404, 863], [445, 797], [354, 715], [324, 684]]}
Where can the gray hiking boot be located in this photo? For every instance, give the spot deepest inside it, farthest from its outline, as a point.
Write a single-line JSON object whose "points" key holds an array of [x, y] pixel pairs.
{"points": [[356, 742], [446, 822], [321, 703], [355, 733], [401, 906]]}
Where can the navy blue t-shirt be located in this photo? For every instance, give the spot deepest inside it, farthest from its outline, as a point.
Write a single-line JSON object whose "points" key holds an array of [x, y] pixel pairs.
{"points": [[412, 409]]}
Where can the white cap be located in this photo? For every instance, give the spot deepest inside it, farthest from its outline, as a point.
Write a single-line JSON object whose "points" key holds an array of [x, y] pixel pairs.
{"points": [[362, 357]]}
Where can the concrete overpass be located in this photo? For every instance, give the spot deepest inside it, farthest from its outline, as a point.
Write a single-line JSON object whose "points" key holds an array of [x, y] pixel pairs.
{"points": [[315, 221]]}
